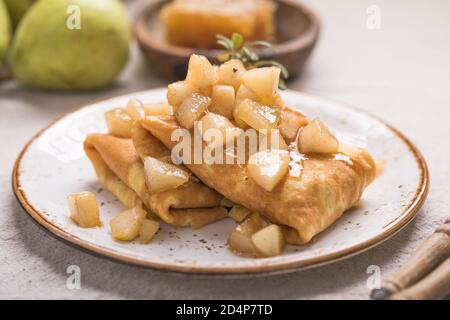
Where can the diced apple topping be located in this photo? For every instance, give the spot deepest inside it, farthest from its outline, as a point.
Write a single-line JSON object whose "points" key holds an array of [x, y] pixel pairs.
{"points": [[224, 130], [158, 110], [200, 72], [239, 213], [84, 209], [119, 123], [274, 100], [230, 72], [316, 138], [245, 93], [192, 109], [162, 176], [223, 101], [263, 81], [135, 109], [177, 92], [240, 239], [215, 121], [242, 94], [268, 167], [290, 122], [272, 140], [258, 116], [148, 230], [269, 241], [125, 226]]}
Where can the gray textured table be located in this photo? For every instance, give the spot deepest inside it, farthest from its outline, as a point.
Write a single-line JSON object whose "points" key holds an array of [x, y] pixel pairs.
{"points": [[400, 73]]}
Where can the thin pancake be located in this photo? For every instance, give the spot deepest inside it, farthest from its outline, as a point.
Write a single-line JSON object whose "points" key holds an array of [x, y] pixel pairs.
{"points": [[308, 204]]}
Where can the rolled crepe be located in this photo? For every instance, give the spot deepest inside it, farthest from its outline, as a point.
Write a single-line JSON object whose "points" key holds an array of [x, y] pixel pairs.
{"points": [[120, 169], [305, 205]]}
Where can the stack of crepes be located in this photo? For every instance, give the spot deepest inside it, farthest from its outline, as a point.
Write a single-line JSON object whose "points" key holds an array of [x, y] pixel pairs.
{"points": [[303, 205], [118, 163]]}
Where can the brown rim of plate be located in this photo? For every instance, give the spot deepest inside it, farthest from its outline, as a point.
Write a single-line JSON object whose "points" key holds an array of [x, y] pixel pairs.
{"points": [[289, 266], [144, 35]]}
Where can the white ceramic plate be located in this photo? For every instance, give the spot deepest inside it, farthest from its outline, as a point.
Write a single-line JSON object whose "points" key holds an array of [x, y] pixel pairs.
{"points": [[53, 165]]}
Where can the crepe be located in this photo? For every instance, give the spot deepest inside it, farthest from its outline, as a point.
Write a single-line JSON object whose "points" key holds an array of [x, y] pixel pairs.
{"points": [[304, 205], [120, 169]]}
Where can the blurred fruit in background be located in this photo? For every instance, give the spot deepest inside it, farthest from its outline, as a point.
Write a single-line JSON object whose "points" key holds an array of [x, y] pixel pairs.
{"points": [[71, 44], [17, 9], [5, 31]]}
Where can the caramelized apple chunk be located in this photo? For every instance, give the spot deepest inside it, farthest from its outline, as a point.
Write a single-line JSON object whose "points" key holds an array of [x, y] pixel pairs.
{"points": [[84, 209], [240, 239], [268, 167], [192, 109], [223, 99], [200, 72], [272, 140], [119, 123], [218, 130], [162, 176], [239, 213], [177, 92], [317, 138], [269, 241], [290, 122], [263, 81], [158, 110], [258, 116], [245, 93], [229, 73], [148, 230], [125, 226]]}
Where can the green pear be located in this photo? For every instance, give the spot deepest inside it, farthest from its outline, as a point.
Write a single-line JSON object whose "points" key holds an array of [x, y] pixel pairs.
{"points": [[17, 9], [71, 44], [5, 31]]}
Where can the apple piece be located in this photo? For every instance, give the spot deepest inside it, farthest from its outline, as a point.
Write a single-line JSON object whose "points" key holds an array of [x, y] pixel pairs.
{"points": [[223, 99], [242, 94], [162, 109], [229, 73], [200, 72], [126, 225], [224, 127], [119, 123], [269, 241], [135, 109], [272, 140], [192, 109], [268, 167], [317, 138], [148, 230], [258, 116], [177, 92], [162, 176], [245, 93], [239, 213], [290, 122], [240, 239], [263, 81], [215, 121], [274, 100], [84, 209]]}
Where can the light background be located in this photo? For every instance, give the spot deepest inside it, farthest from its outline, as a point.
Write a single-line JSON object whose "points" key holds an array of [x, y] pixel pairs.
{"points": [[400, 73]]}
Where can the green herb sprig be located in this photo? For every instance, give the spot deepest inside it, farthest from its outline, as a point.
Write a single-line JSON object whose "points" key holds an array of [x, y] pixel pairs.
{"points": [[238, 49]]}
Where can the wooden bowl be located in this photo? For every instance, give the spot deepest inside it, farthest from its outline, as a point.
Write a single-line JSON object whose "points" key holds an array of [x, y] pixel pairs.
{"points": [[297, 32]]}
